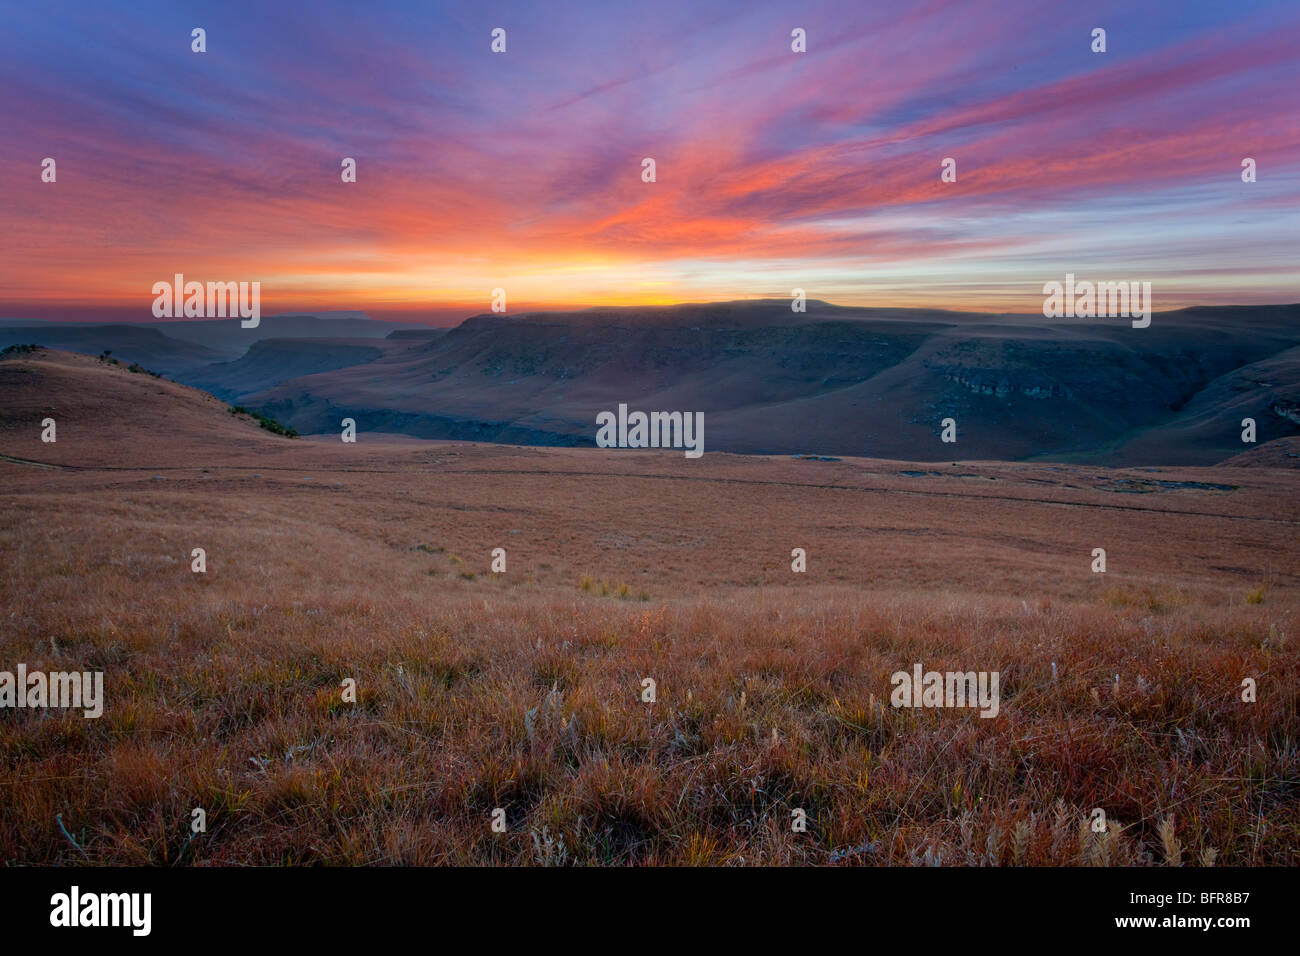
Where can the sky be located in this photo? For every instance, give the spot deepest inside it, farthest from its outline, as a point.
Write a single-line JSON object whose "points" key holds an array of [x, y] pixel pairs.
{"points": [[522, 170]]}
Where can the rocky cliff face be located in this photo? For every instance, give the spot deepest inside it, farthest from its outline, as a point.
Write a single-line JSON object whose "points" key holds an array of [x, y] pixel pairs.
{"points": [[1289, 410], [999, 384]]}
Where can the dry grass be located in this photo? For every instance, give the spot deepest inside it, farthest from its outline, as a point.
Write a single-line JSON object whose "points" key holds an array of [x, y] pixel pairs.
{"points": [[522, 691], [223, 692]]}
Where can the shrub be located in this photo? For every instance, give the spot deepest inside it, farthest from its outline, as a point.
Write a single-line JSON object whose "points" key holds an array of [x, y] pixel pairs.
{"points": [[270, 424]]}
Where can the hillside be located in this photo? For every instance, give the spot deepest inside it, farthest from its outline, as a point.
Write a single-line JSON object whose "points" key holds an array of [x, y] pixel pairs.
{"points": [[271, 361], [106, 414], [836, 381], [481, 688], [832, 381], [129, 343]]}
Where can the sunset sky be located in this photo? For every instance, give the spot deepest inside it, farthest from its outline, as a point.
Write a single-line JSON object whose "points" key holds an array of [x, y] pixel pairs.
{"points": [[522, 170]]}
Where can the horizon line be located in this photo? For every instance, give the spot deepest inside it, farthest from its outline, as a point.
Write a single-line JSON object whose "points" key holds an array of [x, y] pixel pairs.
{"points": [[413, 316]]}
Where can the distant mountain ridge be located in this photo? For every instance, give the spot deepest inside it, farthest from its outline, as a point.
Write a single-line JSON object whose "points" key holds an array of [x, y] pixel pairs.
{"points": [[223, 338], [228, 335], [831, 381], [836, 381]]}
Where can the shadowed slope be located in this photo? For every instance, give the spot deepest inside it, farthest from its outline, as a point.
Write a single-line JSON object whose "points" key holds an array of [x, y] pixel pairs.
{"points": [[271, 361], [836, 381]]}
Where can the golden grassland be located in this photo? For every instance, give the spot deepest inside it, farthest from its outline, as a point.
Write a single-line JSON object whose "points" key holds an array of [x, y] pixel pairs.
{"points": [[523, 690]]}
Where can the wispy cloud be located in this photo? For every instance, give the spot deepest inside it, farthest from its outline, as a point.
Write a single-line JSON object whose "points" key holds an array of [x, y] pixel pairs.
{"points": [[478, 170]]}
